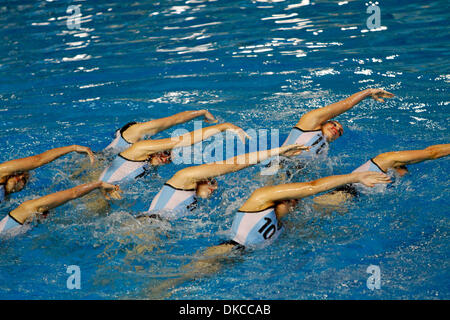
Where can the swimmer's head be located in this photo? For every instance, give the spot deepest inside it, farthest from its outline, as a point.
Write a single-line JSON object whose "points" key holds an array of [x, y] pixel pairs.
{"points": [[401, 170], [16, 182], [206, 188], [332, 130], [160, 158], [285, 207]]}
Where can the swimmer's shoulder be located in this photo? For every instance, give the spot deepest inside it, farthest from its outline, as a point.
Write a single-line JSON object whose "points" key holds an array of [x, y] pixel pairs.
{"points": [[25, 210], [258, 200], [308, 122]]}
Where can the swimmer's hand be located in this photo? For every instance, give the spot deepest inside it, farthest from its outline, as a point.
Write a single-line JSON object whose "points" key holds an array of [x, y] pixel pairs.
{"points": [[111, 191], [370, 179], [292, 150], [239, 131], [88, 151], [209, 118], [379, 94]]}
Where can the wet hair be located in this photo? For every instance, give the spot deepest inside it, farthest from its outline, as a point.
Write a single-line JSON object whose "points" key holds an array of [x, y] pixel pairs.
{"points": [[402, 167], [25, 177], [209, 181], [348, 188], [43, 215], [166, 153]]}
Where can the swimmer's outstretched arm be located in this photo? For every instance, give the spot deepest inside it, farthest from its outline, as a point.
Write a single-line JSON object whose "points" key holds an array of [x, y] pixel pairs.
{"points": [[401, 158], [386, 161], [137, 131], [188, 178], [142, 149], [42, 204], [268, 196], [315, 118], [36, 161]]}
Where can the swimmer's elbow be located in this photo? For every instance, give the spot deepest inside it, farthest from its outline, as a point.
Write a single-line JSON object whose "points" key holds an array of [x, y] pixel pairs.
{"points": [[79, 191], [261, 195], [312, 185], [431, 153], [38, 160], [315, 187], [436, 152], [73, 194]]}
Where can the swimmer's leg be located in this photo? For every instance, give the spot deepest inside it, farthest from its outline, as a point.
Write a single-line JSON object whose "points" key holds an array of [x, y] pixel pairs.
{"points": [[86, 172], [96, 204], [336, 198], [146, 238], [209, 262]]}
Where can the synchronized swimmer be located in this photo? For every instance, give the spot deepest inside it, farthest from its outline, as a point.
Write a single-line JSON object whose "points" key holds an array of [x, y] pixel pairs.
{"points": [[395, 160], [25, 212], [14, 174], [137, 160], [316, 129], [133, 132]]}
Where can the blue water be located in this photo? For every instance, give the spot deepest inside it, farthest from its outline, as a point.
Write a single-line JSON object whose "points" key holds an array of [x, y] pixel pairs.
{"points": [[258, 64]]}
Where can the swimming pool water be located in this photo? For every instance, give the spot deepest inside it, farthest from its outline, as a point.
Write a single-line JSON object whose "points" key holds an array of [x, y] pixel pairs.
{"points": [[259, 64]]}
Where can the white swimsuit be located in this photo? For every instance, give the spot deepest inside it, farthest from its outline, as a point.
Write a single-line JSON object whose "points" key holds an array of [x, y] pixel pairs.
{"points": [[119, 143], [256, 228], [314, 139], [122, 169], [9, 223], [369, 166], [355, 188], [173, 202]]}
